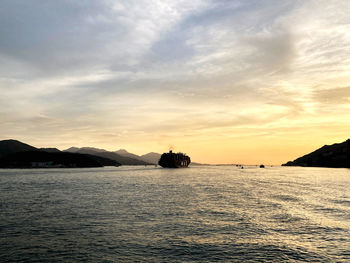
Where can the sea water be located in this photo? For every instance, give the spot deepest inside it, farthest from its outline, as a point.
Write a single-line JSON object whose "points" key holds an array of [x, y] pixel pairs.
{"points": [[197, 214]]}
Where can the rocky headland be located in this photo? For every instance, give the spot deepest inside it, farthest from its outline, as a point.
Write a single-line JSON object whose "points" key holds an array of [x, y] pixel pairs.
{"points": [[334, 156]]}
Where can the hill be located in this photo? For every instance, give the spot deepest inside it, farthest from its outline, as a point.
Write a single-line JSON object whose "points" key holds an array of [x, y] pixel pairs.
{"points": [[13, 146], [120, 157], [41, 159], [123, 160], [125, 153], [151, 157], [334, 156], [52, 150], [72, 149], [15, 154]]}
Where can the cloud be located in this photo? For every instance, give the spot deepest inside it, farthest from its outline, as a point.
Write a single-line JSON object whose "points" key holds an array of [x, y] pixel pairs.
{"points": [[340, 95], [134, 68], [68, 36]]}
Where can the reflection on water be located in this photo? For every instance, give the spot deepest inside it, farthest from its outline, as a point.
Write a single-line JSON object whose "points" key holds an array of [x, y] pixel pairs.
{"points": [[202, 214]]}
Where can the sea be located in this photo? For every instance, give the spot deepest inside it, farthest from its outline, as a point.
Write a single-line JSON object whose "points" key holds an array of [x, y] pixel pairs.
{"points": [[196, 214]]}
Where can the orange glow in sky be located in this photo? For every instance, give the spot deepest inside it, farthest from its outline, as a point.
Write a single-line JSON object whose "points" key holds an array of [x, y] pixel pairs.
{"points": [[224, 81]]}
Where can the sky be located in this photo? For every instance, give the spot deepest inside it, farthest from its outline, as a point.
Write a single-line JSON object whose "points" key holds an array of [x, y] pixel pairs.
{"points": [[253, 81]]}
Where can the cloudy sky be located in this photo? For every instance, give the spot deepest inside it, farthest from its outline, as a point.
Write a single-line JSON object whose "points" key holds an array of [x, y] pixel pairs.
{"points": [[226, 81]]}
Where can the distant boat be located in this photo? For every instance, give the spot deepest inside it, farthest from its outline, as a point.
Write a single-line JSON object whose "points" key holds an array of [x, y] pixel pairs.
{"points": [[262, 166], [174, 160]]}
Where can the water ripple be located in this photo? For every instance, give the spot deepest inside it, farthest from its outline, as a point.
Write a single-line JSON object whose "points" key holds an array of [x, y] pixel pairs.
{"points": [[200, 214]]}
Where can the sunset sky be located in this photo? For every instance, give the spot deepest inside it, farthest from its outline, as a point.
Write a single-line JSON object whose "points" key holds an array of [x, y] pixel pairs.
{"points": [[253, 81]]}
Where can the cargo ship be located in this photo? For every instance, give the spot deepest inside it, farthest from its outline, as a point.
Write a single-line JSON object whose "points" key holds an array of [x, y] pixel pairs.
{"points": [[174, 160]]}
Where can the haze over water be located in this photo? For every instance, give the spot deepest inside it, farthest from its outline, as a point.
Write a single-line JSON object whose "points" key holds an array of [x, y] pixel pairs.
{"points": [[199, 214]]}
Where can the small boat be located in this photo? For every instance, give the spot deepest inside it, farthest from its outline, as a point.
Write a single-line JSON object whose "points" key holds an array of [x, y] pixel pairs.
{"points": [[174, 160]]}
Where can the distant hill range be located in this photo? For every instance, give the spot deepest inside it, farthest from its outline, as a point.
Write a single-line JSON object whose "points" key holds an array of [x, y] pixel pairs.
{"points": [[50, 150], [13, 149], [15, 154], [151, 157], [40, 159], [122, 156], [125, 153], [334, 156]]}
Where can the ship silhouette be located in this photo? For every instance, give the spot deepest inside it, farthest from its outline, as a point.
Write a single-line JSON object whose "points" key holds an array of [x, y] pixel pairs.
{"points": [[174, 160]]}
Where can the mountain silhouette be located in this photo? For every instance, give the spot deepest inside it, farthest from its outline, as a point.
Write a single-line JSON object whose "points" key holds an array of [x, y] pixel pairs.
{"points": [[13, 146], [41, 159], [125, 153], [16, 154], [123, 160], [151, 157], [51, 150], [334, 156], [102, 156]]}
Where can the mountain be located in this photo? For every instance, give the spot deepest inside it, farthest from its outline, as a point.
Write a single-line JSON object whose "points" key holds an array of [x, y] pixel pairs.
{"points": [[41, 159], [124, 160], [15, 154], [125, 153], [334, 156], [103, 160], [13, 146], [76, 149], [50, 150], [151, 157], [8, 147], [72, 149], [93, 149]]}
